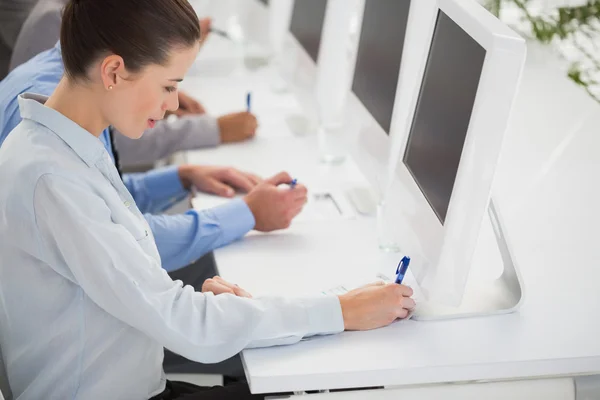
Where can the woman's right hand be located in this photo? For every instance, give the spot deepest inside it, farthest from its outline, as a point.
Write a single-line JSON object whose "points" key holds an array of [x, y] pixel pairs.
{"points": [[375, 306]]}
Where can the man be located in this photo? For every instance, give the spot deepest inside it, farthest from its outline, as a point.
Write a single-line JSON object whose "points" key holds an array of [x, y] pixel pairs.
{"points": [[192, 130]]}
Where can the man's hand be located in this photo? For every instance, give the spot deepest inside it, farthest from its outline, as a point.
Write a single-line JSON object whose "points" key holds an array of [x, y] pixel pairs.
{"points": [[375, 306], [222, 181], [274, 208], [237, 127], [218, 285], [188, 106]]}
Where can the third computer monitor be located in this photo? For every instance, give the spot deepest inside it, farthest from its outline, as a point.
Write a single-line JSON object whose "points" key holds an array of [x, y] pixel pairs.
{"points": [[379, 56], [307, 24]]}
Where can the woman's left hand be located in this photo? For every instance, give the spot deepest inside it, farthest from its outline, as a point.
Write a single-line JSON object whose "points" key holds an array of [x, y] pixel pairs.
{"points": [[218, 285]]}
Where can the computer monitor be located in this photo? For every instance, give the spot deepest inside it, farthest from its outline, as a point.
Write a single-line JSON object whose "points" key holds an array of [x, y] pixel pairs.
{"points": [[379, 57], [439, 129], [445, 153], [307, 24]]}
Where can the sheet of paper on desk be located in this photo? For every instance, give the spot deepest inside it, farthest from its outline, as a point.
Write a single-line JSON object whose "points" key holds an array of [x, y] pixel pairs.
{"points": [[321, 206]]}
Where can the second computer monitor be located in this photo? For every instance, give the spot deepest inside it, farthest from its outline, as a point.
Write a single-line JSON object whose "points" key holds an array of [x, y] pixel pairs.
{"points": [[379, 57], [307, 24]]}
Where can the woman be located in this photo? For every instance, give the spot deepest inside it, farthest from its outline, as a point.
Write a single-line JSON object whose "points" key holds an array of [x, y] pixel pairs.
{"points": [[85, 307]]}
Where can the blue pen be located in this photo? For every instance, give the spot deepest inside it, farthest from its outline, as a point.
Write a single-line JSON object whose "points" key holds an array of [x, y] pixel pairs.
{"points": [[248, 101], [402, 268], [293, 183]]}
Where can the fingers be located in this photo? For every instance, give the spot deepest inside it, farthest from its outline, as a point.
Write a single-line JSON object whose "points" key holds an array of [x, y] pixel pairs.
{"points": [[279, 179], [406, 309], [188, 105], [195, 107], [180, 112], [239, 180], [247, 123], [184, 100], [408, 303], [249, 118], [403, 303], [300, 192], [238, 291], [293, 212], [403, 290], [252, 125], [205, 24], [215, 286], [402, 313], [254, 178], [219, 188], [377, 283]]}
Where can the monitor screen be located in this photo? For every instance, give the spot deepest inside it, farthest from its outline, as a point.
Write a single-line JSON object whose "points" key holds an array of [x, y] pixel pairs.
{"points": [[379, 56], [443, 112], [307, 24]]}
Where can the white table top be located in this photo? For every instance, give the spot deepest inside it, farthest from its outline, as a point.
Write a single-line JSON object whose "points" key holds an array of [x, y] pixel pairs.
{"points": [[547, 187]]}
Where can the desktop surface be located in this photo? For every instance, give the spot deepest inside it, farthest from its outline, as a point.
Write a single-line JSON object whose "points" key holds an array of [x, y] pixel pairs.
{"points": [[552, 235], [551, 220]]}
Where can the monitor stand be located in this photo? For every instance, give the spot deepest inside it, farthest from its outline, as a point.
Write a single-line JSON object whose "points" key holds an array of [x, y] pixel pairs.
{"points": [[500, 296]]}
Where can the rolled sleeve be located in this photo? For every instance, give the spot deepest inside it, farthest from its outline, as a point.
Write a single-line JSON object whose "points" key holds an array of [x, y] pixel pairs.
{"points": [[169, 136], [235, 218], [184, 238], [156, 190]]}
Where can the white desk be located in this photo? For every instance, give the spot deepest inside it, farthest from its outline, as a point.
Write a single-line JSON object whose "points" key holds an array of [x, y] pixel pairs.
{"points": [[547, 186]]}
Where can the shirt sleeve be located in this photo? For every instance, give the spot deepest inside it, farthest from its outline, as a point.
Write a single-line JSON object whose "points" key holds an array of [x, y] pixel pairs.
{"points": [[182, 239], [115, 272], [157, 190], [167, 137], [40, 32]]}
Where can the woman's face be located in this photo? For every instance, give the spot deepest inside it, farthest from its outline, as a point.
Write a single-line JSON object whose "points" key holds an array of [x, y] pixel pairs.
{"points": [[138, 101]]}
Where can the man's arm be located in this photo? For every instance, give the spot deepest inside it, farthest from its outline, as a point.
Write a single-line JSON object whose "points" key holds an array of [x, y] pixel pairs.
{"points": [[40, 32], [168, 137]]}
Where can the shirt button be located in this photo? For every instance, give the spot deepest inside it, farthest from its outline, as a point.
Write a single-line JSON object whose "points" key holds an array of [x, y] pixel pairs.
{"points": [[127, 204]]}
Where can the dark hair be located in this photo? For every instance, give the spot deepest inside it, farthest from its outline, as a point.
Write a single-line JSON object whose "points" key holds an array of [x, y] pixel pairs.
{"points": [[141, 31]]}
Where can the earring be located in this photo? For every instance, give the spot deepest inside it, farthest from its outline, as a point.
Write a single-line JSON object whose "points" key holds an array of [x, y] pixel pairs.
{"points": [[110, 87]]}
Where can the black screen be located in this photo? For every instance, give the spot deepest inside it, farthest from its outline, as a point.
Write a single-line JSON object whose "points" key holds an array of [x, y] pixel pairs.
{"points": [[307, 24], [379, 56], [443, 112]]}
